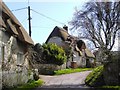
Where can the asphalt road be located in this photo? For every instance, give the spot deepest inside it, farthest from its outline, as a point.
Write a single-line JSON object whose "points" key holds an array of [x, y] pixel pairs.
{"points": [[66, 81]]}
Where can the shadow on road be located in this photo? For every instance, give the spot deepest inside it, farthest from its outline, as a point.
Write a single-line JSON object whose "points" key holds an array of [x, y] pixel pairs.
{"points": [[66, 87], [70, 87]]}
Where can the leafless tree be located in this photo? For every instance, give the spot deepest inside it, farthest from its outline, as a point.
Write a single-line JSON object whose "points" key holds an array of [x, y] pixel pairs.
{"points": [[99, 22]]}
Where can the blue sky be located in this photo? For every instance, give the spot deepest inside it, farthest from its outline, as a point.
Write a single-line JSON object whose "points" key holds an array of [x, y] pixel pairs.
{"points": [[60, 10]]}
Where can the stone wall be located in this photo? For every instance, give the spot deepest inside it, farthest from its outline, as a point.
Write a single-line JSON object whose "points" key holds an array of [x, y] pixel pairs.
{"points": [[14, 65], [112, 71], [12, 78], [48, 68]]}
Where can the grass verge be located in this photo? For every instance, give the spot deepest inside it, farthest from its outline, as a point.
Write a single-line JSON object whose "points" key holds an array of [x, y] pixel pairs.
{"points": [[68, 71], [95, 78], [30, 85], [114, 87]]}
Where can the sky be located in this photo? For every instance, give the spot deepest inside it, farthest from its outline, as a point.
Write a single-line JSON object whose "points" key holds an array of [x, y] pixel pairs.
{"points": [[45, 15], [60, 10]]}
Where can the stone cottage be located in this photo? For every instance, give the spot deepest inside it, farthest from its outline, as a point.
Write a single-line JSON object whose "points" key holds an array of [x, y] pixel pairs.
{"points": [[80, 52], [14, 45]]}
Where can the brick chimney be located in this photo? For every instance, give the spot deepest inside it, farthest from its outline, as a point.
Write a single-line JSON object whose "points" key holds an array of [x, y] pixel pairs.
{"points": [[65, 27]]}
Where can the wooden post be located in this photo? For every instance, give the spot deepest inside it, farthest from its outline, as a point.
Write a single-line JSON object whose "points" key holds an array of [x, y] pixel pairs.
{"points": [[29, 19]]}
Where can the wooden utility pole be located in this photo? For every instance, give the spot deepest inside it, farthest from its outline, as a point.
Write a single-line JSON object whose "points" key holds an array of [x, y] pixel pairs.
{"points": [[29, 19]]}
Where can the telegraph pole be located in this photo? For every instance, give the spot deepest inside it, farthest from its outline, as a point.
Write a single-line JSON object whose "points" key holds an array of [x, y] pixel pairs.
{"points": [[29, 19]]}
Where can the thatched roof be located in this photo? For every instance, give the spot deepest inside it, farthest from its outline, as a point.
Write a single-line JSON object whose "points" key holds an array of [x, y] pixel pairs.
{"points": [[59, 32], [64, 35], [89, 53], [10, 23]]}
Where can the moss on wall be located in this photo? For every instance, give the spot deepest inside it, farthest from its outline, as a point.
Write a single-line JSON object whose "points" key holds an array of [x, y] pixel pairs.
{"points": [[112, 70], [95, 78], [107, 74]]}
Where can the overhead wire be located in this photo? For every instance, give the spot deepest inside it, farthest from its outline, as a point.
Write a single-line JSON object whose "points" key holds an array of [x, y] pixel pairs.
{"points": [[19, 9], [47, 17], [40, 27], [28, 2], [40, 14]]}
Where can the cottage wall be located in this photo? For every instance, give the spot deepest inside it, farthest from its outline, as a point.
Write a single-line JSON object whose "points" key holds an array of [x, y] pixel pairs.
{"points": [[14, 67], [49, 68], [58, 41], [81, 62], [4, 37]]}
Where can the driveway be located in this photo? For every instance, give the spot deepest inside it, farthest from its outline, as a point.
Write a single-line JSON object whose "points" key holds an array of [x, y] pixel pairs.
{"points": [[74, 80]]}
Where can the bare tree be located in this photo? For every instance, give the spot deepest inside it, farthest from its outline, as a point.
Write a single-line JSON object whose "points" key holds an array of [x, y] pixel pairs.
{"points": [[99, 22]]}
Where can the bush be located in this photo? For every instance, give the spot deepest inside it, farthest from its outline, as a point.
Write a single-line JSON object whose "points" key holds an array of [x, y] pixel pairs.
{"points": [[95, 78], [28, 86], [53, 54]]}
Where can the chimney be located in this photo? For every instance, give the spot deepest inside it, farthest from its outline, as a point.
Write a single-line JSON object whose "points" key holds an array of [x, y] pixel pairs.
{"points": [[65, 27]]}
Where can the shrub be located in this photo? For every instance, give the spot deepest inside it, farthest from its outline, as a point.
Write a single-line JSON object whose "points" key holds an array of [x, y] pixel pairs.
{"points": [[28, 86], [53, 54], [95, 78]]}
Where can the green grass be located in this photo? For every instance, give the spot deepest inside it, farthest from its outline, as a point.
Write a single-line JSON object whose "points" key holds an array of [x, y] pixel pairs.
{"points": [[30, 85], [107, 88], [115, 87], [68, 71], [95, 77]]}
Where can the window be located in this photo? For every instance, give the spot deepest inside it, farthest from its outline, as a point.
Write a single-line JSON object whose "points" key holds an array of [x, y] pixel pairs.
{"points": [[19, 58]]}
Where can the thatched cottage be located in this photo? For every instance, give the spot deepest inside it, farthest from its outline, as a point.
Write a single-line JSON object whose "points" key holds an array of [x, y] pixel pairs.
{"points": [[14, 45], [80, 52]]}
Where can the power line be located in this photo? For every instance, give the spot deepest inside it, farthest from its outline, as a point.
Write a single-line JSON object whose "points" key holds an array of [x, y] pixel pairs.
{"points": [[24, 19], [39, 14], [19, 9], [40, 27], [28, 2], [48, 17]]}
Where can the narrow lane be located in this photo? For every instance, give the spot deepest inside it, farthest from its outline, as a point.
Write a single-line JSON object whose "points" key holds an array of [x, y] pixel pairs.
{"points": [[74, 80]]}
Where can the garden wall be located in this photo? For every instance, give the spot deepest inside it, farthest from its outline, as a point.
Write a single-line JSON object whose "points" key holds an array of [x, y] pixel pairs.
{"points": [[112, 70], [111, 73], [48, 68]]}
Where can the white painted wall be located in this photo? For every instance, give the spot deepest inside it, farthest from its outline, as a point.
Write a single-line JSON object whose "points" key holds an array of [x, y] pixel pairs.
{"points": [[16, 66], [80, 61], [57, 40]]}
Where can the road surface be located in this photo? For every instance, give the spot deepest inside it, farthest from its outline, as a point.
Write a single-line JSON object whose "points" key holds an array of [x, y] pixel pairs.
{"points": [[74, 80]]}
